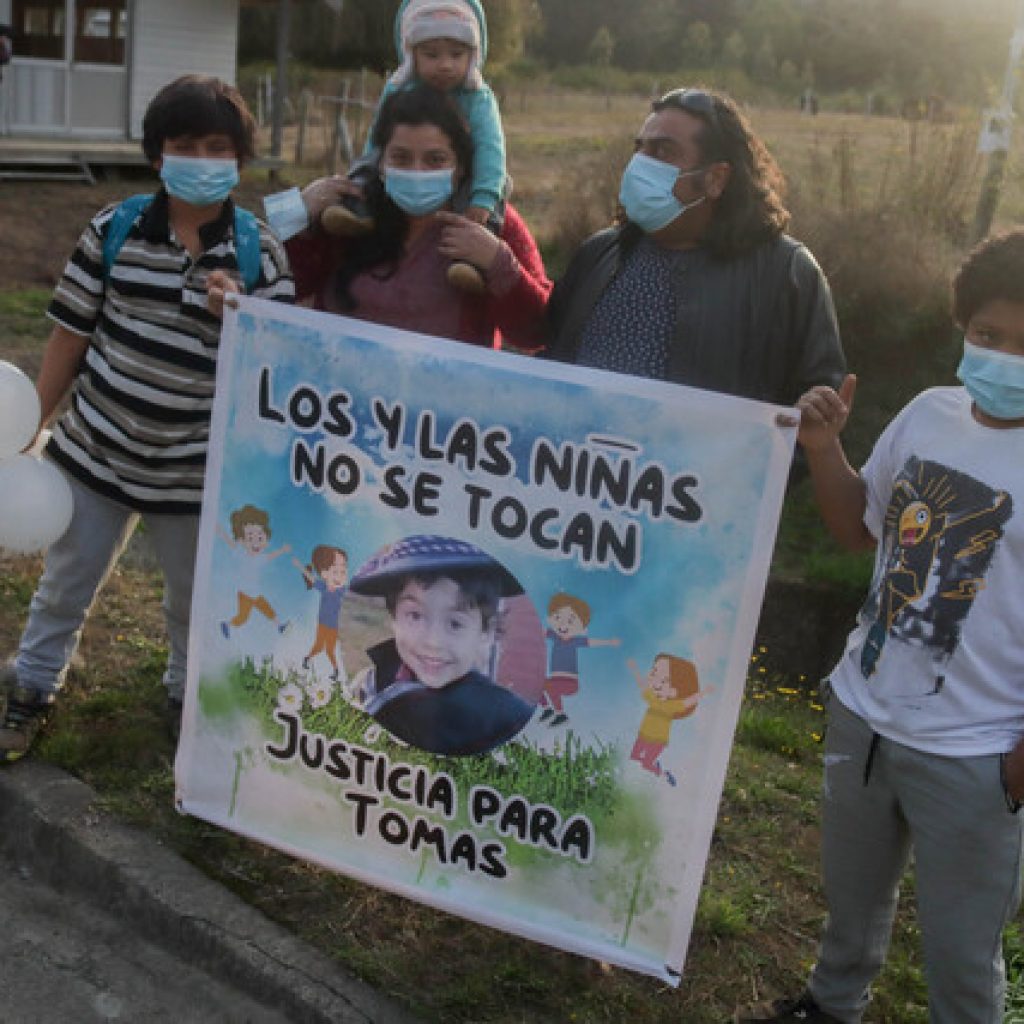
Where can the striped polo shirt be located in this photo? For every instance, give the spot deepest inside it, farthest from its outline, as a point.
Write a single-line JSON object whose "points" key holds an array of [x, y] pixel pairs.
{"points": [[138, 423]]}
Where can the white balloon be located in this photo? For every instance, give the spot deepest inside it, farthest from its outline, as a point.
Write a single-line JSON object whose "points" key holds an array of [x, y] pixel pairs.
{"points": [[19, 410], [35, 504]]}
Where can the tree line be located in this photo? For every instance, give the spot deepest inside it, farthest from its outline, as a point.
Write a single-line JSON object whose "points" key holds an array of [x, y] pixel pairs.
{"points": [[900, 47]]}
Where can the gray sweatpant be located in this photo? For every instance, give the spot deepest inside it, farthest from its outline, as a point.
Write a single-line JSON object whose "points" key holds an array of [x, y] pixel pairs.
{"points": [[76, 568], [878, 806]]}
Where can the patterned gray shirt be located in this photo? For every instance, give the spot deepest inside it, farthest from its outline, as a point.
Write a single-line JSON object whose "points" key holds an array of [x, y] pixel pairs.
{"points": [[632, 325]]}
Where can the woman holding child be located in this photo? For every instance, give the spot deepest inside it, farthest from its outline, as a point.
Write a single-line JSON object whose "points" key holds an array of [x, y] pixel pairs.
{"points": [[397, 275]]}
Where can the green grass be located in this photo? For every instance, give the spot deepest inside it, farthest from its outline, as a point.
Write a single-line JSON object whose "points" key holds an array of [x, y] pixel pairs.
{"points": [[23, 324], [28, 302], [805, 551]]}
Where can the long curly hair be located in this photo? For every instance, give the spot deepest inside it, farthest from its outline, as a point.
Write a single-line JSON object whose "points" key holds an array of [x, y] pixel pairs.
{"points": [[751, 209], [380, 251]]}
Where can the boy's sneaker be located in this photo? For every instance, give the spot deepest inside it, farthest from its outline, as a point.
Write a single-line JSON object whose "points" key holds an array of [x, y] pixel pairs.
{"points": [[786, 1011], [24, 714], [466, 278], [342, 222]]}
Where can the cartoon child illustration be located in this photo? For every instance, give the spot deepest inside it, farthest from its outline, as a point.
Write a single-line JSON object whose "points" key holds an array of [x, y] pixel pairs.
{"points": [[327, 574], [428, 685], [250, 535], [671, 691], [568, 619]]}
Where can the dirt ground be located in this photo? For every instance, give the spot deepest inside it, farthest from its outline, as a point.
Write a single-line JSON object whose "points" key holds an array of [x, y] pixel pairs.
{"points": [[40, 224]]}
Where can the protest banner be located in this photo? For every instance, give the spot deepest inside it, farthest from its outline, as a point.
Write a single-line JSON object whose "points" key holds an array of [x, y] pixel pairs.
{"points": [[474, 627]]}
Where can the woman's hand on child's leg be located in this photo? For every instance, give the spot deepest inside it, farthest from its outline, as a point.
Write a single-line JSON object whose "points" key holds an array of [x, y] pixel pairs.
{"points": [[324, 192], [464, 240]]}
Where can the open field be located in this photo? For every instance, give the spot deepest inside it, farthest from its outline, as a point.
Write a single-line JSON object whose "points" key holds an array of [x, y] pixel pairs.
{"points": [[761, 908], [562, 144]]}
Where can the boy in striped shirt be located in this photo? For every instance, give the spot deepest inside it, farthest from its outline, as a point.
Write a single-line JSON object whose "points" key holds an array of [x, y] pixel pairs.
{"points": [[136, 346]]}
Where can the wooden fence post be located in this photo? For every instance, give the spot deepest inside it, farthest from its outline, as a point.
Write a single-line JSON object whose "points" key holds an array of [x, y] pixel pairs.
{"points": [[305, 102]]}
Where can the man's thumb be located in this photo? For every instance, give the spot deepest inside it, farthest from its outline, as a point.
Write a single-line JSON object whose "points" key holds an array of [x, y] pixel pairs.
{"points": [[848, 389]]}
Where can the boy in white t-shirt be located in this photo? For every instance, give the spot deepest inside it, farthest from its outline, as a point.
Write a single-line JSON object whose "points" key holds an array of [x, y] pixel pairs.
{"points": [[926, 707]]}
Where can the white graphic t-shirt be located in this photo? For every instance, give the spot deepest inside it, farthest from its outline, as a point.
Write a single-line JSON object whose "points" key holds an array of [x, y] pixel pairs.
{"points": [[936, 661]]}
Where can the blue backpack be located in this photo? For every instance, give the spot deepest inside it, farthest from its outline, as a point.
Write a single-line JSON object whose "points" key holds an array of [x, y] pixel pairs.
{"points": [[247, 237]]}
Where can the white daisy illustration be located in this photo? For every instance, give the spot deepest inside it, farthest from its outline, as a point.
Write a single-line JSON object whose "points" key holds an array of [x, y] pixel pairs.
{"points": [[290, 697], [320, 693]]}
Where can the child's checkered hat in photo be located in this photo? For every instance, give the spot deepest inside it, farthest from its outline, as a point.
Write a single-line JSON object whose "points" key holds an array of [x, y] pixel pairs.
{"points": [[423, 20], [425, 553]]}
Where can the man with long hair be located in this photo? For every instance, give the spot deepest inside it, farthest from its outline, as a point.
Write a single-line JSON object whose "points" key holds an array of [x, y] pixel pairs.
{"points": [[699, 284]]}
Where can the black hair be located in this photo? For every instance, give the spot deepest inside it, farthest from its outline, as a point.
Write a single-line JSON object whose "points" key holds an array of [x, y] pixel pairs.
{"points": [[381, 249], [751, 208], [197, 105], [478, 588], [993, 270]]}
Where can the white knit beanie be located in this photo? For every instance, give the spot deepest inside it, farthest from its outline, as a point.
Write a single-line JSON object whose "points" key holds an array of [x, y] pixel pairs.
{"points": [[423, 20]]}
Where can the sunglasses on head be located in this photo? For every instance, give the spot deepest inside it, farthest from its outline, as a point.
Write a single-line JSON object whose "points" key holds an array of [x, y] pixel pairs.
{"points": [[693, 101]]}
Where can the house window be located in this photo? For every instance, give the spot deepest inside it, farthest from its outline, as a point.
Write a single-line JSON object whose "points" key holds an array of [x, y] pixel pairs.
{"points": [[100, 31], [101, 27], [39, 28]]}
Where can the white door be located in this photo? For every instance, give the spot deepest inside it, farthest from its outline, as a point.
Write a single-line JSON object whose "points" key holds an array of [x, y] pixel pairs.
{"points": [[69, 73], [98, 78], [37, 88]]}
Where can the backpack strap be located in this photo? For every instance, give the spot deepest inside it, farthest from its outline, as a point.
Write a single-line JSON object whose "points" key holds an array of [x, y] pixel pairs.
{"points": [[247, 247], [119, 225], [247, 238]]}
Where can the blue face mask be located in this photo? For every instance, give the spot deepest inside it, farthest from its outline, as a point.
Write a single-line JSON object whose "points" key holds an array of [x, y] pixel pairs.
{"points": [[418, 192], [646, 192], [199, 181], [995, 380]]}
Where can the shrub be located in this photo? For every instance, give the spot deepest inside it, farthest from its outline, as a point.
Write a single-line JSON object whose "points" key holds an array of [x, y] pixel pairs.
{"points": [[588, 200], [889, 253], [595, 78]]}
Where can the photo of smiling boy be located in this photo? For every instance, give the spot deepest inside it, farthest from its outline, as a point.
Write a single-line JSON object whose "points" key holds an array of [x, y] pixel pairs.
{"points": [[429, 684]]}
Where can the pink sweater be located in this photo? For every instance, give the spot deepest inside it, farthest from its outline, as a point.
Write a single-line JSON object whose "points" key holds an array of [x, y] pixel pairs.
{"points": [[417, 297]]}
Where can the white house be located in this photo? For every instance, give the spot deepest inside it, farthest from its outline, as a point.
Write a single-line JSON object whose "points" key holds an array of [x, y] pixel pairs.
{"points": [[84, 70]]}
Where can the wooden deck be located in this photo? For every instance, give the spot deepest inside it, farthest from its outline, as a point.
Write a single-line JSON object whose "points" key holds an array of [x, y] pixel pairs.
{"points": [[64, 159], [74, 159]]}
